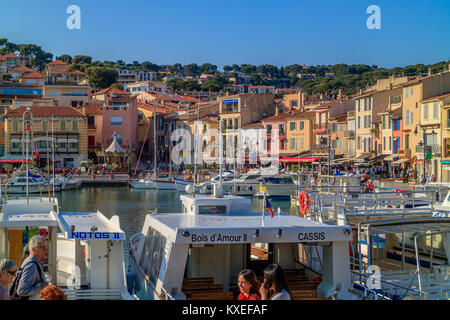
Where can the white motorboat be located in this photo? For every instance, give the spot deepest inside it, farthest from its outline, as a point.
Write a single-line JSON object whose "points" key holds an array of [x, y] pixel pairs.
{"points": [[86, 260], [215, 237], [162, 182], [277, 187]]}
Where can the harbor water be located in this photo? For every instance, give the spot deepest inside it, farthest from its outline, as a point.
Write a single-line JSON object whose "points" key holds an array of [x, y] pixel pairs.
{"points": [[132, 205]]}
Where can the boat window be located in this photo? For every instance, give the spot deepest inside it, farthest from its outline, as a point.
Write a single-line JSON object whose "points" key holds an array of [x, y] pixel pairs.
{"points": [[21, 180], [253, 177], [153, 254], [212, 209]]}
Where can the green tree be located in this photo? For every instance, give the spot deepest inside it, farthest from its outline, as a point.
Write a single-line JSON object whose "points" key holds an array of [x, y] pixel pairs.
{"points": [[82, 59], [192, 69], [101, 78], [65, 58], [208, 68]]}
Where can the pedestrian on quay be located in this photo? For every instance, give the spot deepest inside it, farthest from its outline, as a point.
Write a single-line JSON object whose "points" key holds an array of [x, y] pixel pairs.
{"points": [[31, 277], [274, 286], [248, 285], [8, 270]]}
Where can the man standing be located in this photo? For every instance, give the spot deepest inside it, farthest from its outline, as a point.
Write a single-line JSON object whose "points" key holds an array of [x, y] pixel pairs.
{"points": [[32, 278]]}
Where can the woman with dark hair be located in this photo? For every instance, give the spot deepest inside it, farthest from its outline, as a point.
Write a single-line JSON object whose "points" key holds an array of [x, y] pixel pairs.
{"points": [[248, 285], [274, 286]]}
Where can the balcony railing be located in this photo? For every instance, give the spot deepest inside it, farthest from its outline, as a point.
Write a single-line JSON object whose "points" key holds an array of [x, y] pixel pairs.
{"points": [[321, 126], [349, 134], [320, 148], [434, 148]]}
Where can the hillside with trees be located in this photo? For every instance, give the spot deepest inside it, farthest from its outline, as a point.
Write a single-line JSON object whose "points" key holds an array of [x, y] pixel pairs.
{"points": [[349, 78]]}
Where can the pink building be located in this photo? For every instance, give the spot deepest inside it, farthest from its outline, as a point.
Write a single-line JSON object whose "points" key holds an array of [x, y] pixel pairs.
{"points": [[120, 116]]}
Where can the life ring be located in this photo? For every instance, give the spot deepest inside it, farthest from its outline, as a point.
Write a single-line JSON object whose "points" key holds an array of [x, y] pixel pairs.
{"points": [[303, 200]]}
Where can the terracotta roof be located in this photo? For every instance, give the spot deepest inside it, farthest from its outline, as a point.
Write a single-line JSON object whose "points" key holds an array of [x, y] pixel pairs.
{"points": [[93, 109], [9, 55], [21, 69], [174, 98], [253, 125], [111, 91], [303, 115], [262, 87], [43, 111], [57, 62], [437, 97], [76, 72], [33, 75], [279, 117]]}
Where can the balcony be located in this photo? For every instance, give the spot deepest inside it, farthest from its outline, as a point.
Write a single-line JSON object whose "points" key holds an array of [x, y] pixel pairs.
{"points": [[349, 153], [349, 134], [92, 126], [435, 149], [322, 126], [320, 148]]}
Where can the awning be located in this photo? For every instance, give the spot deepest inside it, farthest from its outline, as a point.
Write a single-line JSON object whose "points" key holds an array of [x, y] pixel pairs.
{"points": [[297, 160], [391, 157], [362, 158], [399, 162], [12, 158], [378, 158]]}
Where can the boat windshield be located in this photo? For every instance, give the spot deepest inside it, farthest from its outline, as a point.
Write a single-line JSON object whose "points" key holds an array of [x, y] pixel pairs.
{"points": [[212, 209]]}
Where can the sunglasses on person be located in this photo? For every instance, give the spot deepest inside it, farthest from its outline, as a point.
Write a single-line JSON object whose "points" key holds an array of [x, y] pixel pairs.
{"points": [[13, 273]]}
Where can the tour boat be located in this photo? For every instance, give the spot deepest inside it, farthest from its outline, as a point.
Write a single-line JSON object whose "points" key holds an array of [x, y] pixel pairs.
{"points": [[197, 254], [277, 187], [86, 260]]}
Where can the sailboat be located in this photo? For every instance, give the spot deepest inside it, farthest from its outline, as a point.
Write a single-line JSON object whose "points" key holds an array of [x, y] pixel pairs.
{"points": [[155, 181]]}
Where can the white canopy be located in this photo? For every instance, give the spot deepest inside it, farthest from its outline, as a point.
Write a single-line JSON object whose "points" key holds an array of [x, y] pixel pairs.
{"points": [[115, 146]]}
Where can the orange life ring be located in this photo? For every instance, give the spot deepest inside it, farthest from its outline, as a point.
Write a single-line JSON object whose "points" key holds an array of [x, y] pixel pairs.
{"points": [[303, 199]]}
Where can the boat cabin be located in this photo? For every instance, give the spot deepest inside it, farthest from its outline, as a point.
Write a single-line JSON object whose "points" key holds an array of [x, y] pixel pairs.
{"points": [[86, 260], [197, 254]]}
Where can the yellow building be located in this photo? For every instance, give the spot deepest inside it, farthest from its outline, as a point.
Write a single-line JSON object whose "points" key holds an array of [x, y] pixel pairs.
{"points": [[69, 128], [414, 93], [299, 133]]}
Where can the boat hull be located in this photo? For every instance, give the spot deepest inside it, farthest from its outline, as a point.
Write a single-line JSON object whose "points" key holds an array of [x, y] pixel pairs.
{"points": [[143, 185]]}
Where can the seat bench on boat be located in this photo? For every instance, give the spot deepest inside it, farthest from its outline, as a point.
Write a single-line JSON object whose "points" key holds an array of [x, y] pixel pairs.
{"points": [[93, 294], [213, 295], [195, 287]]}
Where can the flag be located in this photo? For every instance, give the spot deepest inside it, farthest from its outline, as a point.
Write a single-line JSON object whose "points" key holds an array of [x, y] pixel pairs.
{"points": [[269, 206], [36, 154]]}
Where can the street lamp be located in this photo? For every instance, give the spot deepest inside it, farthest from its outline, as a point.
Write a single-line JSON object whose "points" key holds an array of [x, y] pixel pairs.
{"points": [[422, 143]]}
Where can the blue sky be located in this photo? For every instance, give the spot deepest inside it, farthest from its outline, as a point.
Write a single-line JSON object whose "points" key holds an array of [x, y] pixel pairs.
{"points": [[224, 32]]}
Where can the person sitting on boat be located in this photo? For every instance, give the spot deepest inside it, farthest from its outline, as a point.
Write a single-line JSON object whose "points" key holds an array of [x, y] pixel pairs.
{"points": [[8, 270], [248, 285], [32, 278], [274, 286]]}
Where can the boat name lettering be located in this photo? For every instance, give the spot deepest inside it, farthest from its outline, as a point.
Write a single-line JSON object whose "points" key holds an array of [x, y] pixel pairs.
{"points": [[309, 236], [95, 235], [218, 238]]}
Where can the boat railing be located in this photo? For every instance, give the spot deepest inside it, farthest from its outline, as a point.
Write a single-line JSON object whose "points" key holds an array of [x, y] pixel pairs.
{"points": [[418, 270], [134, 239], [167, 295], [387, 289]]}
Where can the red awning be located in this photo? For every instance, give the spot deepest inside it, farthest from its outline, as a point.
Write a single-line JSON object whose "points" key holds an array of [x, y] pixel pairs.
{"points": [[320, 131], [13, 161], [297, 160]]}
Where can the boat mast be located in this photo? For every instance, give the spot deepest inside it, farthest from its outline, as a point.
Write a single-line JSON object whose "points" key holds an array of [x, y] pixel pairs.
{"points": [[53, 160], [154, 140], [196, 146], [220, 151], [26, 127]]}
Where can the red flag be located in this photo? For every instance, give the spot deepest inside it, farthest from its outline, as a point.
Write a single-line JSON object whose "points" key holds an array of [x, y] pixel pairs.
{"points": [[268, 206]]}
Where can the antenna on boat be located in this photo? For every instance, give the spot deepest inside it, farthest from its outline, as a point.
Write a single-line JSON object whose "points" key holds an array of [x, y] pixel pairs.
{"points": [[154, 140], [53, 161], [27, 120], [220, 151], [196, 148]]}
